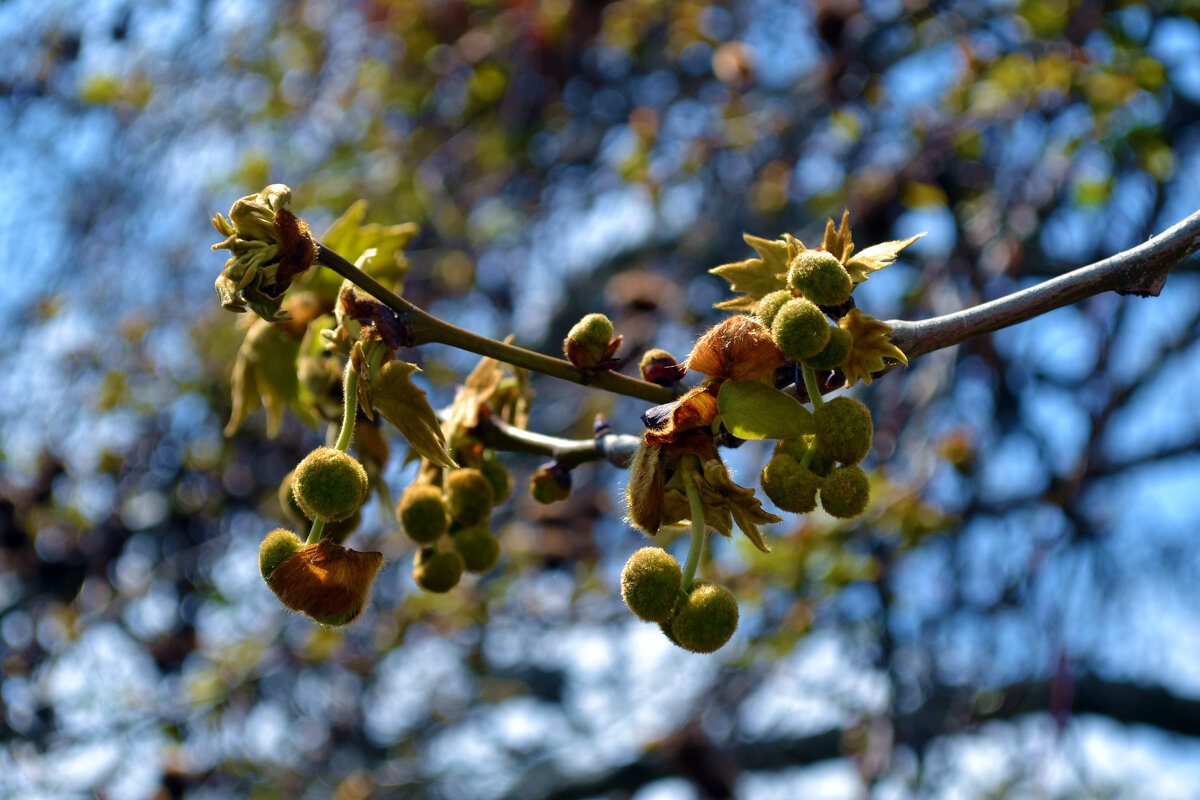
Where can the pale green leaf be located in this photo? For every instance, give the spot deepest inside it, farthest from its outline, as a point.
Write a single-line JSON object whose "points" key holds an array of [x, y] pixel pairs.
{"points": [[753, 410]]}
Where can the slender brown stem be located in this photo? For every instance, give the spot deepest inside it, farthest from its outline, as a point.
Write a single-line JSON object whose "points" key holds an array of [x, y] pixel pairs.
{"points": [[427, 328]]}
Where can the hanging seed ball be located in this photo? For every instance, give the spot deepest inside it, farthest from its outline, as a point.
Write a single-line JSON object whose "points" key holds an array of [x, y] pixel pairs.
{"points": [[275, 549], [437, 571], [422, 513], [769, 306], [287, 501], [469, 496], [846, 492], [789, 485], [706, 621], [820, 277], [329, 484], [498, 476], [650, 583], [835, 352], [798, 446], [800, 329], [844, 430], [479, 548], [338, 532]]}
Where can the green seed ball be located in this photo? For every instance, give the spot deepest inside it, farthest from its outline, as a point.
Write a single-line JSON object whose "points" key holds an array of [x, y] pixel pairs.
{"points": [[706, 621], [797, 447], [287, 501], [437, 571], [846, 492], [819, 276], [594, 330], [650, 583], [338, 532], [835, 352], [789, 485], [769, 306], [278, 545], [338, 620], [844, 430], [499, 477], [800, 329], [469, 496], [479, 548], [329, 484], [422, 513]]}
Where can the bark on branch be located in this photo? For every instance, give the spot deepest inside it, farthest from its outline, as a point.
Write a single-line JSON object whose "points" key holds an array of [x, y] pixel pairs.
{"points": [[1141, 270]]}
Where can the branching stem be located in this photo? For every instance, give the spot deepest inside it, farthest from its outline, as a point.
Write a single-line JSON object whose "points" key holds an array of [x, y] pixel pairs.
{"points": [[427, 328]]}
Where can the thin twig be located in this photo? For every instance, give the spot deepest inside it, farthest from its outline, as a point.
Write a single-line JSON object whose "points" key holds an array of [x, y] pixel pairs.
{"points": [[616, 449], [427, 328]]}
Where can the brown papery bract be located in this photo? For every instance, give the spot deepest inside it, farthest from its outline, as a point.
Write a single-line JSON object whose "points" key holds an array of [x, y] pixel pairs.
{"points": [[739, 349], [325, 580]]}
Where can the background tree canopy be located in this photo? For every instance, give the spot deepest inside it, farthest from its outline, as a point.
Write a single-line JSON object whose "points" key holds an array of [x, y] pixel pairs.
{"points": [[1016, 615]]}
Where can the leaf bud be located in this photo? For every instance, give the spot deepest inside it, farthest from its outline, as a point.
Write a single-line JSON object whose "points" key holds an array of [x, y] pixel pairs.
{"points": [[590, 342], [650, 584], [820, 277], [479, 548], [846, 492], [469, 496], [835, 352], [329, 484], [800, 329], [437, 571], [769, 306], [659, 366], [422, 513], [844, 430], [275, 548], [550, 483], [790, 486], [707, 620]]}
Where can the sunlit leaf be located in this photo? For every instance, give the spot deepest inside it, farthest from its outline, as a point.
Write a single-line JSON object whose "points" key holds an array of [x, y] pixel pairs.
{"points": [[871, 347], [753, 410], [876, 257]]}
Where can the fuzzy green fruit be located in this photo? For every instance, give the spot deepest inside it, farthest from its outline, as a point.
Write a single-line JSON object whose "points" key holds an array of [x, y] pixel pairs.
{"points": [[469, 496], [437, 571], [844, 430], [650, 583], [479, 548], [798, 446], [800, 329], [789, 485], [422, 513], [329, 484], [769, 306], [278, 545], [846, 492], [820, 277], [498, 476], [706, 621], [836, 350]]}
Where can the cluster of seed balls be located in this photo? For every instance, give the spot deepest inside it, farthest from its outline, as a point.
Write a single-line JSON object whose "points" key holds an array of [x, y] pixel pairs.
{"points": [[700, 620], [824, 463], [794, 317], [458, 510]]}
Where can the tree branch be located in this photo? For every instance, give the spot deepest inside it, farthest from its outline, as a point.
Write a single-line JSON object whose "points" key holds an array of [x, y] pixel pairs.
{"points": [[1127, 703], [427, 328], [616, 449], [1141, 270]]}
